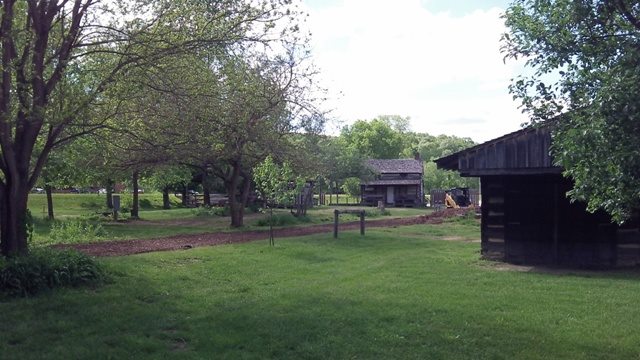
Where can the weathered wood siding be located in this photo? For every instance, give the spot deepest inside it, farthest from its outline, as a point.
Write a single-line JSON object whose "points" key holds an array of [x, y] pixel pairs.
{"points": [[525, 153], [528, 220]]}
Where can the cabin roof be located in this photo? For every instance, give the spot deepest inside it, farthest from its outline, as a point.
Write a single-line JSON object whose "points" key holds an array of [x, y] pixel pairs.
{"points": [[393, 182], [395, 166], [525, 151]]}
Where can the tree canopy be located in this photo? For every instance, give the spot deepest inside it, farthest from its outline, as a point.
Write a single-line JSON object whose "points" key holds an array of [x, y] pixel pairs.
{"points": [[584, 76], [63, 61]]}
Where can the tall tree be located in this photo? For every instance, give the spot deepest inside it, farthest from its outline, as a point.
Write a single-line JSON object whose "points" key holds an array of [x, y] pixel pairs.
{"points": [[60, 56], [375, 139], [584, 57]]}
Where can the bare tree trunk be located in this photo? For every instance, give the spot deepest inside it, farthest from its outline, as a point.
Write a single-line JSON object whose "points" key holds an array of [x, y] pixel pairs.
{"points": [[47, 189], [207, 196], [13, 217], [271, 240], [205, 189], [238, 194], [109, 189], [184, 195], [135, 213], [235, 205], [166, 204]]}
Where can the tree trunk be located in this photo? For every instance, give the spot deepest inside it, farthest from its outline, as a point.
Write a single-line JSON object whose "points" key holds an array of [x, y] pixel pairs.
{"points": [[166, 204], [236, 205], [109, 189], [184, 195], [135, 214], [271, 240], [13, 216], [47, 189], [205, 189], [207, 195]]}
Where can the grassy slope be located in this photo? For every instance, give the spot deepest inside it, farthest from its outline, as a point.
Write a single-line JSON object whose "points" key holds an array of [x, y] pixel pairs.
{"points": [[396, 293]]}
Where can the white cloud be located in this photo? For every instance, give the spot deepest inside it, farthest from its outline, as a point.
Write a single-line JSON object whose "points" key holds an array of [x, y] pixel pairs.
{"points": [[399, 58]]}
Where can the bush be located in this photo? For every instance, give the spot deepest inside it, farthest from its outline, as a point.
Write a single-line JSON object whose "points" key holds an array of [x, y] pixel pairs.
{"points": [[69, 232], [45, 269], [211, 211], [283, 220], [376, 213]]}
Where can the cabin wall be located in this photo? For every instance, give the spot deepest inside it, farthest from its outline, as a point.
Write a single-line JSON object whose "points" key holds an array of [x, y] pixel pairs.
{"points": [[528, 220], [404, 195]]}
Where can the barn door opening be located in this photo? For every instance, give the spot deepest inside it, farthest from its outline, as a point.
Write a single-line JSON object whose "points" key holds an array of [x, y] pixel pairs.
{"points": [[390, 195]]}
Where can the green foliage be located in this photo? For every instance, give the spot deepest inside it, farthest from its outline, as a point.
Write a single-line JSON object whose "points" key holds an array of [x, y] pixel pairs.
{"points": [[376, 212], [273, 182], [28, 224], [435, 178], [388, 137], [207, 211], [375, 139], [167, 176], [45, 269], [283, 220], [351, 186], [583, 59], [75, 231]]}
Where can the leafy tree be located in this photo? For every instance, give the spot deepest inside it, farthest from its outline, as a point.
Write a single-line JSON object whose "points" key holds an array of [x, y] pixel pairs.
{"points": [[60, 57], [273, 183], [351, 186], [167, 177], [584, 59], [375, 139]]}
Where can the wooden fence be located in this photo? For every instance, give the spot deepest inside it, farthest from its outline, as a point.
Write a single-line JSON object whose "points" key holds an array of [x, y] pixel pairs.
{"points": [[437, 198]]}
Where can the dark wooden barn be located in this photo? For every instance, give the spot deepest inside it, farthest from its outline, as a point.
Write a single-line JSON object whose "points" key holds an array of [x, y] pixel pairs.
{"points": [[398, 182], [526, 216]]}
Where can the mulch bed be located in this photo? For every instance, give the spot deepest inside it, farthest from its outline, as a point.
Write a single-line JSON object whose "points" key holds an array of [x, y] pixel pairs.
{"points": [[177, 242]]}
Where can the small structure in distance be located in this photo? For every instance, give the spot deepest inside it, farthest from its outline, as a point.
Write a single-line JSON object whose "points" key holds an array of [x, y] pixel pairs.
{"points": [[398, 182]]}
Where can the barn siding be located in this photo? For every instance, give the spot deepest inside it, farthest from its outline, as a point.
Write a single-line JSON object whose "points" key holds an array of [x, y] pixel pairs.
{"points": [[529, 220], [530, 150], [526, 217]]}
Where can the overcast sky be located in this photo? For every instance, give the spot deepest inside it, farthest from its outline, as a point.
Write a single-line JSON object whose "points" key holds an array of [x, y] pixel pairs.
{"points": [[436, 61]]}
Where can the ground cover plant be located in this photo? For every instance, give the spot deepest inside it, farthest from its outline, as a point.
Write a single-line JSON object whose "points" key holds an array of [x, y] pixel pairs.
{"points": [[46, 269], [405, 292]]}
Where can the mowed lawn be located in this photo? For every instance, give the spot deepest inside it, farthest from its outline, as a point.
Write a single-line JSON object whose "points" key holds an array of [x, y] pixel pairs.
{"points": [[416, 292], [155, 222]]}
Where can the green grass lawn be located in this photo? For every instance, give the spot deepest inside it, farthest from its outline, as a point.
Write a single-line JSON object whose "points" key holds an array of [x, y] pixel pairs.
{"points": [[156, 222], [416, 292]]}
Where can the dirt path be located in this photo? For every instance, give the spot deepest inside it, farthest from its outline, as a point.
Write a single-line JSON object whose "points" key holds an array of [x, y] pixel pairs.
{"points": [[128, 247]]}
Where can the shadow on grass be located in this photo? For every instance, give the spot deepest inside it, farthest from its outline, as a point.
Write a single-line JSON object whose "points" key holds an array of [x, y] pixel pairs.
{"points": [[199, 303]]}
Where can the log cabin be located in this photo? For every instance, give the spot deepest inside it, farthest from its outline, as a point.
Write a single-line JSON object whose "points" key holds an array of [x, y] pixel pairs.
{"points": [[397, 182], [526, 215]]}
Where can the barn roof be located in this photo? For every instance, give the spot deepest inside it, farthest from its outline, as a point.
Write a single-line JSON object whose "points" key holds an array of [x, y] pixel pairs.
{"points": [[395, 166], [526, 151]]}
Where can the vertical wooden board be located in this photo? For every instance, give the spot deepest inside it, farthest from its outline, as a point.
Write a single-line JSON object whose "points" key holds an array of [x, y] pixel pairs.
{"points": [[500, 155]]}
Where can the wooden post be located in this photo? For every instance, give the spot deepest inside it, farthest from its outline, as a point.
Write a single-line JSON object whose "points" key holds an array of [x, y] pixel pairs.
{"points": [[362, 222], [556, 221], [335, 223]]}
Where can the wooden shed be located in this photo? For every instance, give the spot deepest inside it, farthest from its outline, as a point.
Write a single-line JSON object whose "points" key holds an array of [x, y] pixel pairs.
{"points": [[526, 216]]}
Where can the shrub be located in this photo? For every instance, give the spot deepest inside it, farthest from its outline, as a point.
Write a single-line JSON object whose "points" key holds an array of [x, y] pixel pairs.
{"points": [[376, 212], [283, 220], [211, 211], [74, 232], [45, 269]]}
